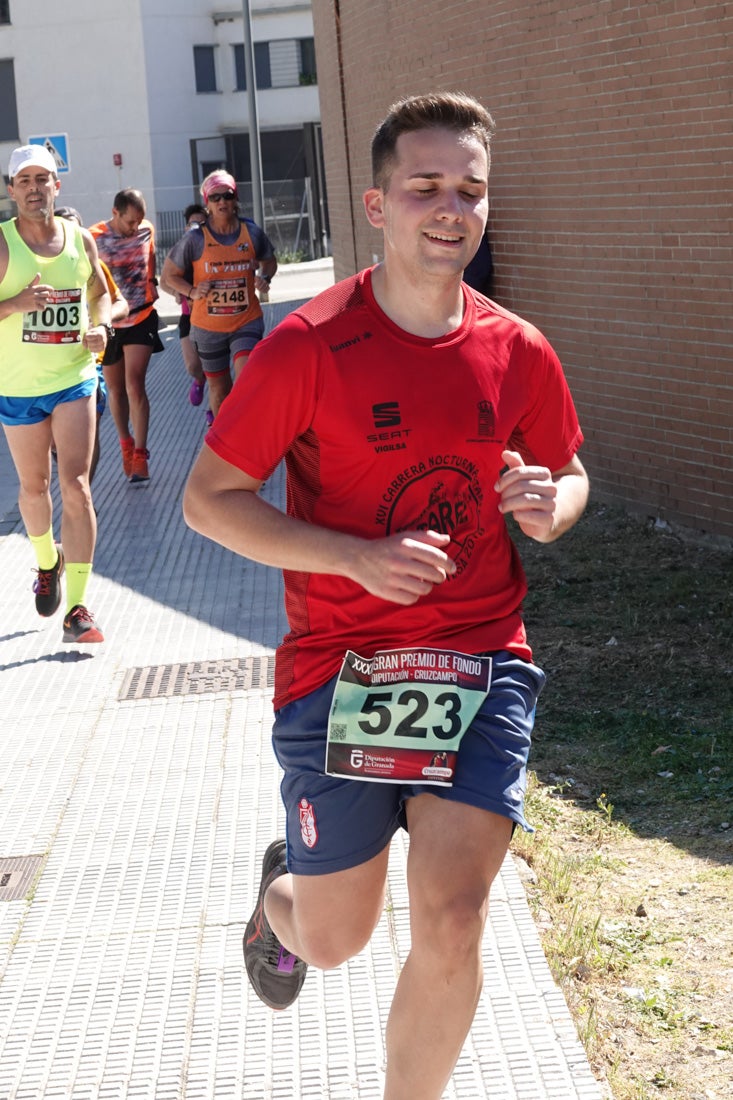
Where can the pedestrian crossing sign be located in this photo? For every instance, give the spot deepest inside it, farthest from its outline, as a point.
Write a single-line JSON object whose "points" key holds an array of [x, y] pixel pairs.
{"points": [[58, 147]]}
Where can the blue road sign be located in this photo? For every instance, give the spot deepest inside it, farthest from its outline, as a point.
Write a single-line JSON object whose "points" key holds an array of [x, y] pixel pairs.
{"points": [[58, 147]]}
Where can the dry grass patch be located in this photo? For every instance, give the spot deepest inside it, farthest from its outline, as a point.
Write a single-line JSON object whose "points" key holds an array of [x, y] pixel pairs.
{"points": [[632, 795]]}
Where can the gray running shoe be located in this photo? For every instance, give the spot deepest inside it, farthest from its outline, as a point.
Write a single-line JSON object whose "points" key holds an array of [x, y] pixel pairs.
{"points": [[79, 626], [275, 975], [47, 587]]}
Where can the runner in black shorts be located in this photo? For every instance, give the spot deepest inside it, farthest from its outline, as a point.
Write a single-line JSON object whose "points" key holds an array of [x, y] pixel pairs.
{"points": [[143, 334], [126, 243]]}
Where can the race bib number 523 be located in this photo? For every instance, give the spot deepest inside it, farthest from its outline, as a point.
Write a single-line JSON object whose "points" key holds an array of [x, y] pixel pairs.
{"points": [[399, 716]]}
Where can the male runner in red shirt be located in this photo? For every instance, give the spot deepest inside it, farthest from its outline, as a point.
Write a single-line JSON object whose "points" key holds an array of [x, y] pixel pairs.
{"points": [[414, 415]]}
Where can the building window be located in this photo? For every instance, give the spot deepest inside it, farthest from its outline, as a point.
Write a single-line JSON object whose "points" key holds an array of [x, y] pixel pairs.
{"points": [[204, 64], [282, 63], [9, 113], [307, 49], [263, 78], [4, 11]]}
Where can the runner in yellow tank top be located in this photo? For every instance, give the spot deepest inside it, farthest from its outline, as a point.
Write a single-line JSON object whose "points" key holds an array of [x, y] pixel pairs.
{"points": [[51, 286]]}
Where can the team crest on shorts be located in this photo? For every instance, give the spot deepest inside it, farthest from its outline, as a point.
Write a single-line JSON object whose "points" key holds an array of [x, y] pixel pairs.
{"points": [[308, 827]]}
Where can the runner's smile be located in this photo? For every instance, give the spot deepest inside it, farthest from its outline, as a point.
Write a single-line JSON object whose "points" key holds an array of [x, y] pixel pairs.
{"points": [[445, 239]]}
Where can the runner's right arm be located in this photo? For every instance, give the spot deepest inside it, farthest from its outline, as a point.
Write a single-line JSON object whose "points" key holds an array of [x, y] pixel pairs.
{"points": [[221, 502]]}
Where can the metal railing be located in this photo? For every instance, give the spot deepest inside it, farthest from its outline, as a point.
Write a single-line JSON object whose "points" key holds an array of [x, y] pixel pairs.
{"points": [[289, 220]]}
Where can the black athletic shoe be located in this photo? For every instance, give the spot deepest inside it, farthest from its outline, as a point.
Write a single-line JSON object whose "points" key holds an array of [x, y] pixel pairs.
{"points": [[79, 626], [47, 587], [275, 975]]}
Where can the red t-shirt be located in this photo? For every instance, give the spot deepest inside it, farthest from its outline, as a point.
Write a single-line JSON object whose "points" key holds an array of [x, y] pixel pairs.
{"points": [[382, 432]]}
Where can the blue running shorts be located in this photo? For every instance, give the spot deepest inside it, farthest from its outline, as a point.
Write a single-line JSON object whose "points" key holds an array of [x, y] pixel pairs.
{"points": [[335, 823], [20, 411]]}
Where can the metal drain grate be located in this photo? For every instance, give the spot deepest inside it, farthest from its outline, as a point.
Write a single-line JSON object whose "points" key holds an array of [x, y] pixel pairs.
{"points": [[16, 876], [199, 677]]}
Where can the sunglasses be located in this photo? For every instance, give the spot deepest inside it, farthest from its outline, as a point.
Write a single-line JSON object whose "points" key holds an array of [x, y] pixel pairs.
{"points": [[222, 196]]}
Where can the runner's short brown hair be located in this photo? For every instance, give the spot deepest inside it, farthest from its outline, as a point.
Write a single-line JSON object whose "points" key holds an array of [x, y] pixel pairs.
{"points": [[448, 110]]}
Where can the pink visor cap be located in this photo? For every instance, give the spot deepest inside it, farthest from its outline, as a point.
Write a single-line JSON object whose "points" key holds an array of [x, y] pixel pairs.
{"points": [[218, 181]]}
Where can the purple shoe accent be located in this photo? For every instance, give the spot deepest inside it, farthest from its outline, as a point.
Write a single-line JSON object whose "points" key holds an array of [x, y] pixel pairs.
{"points": [[196, 392], [209, 418], [286, 961], [275, 974]]}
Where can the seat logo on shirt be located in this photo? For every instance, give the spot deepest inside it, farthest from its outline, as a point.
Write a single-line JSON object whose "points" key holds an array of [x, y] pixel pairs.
{"points": [[387, 420], [386, 415]]}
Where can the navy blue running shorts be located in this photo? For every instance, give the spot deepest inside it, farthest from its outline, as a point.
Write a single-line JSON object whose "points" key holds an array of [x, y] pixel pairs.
{"points": [[335, 823]]}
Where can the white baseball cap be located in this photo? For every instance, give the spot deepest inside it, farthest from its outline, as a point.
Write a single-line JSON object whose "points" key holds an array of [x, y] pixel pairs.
{"points": [[36, 155]]}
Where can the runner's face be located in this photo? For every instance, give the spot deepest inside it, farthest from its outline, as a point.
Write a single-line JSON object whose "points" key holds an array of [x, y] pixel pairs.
{"points": [[126, 223], [222, 209], [34, 191], [434, 211]]}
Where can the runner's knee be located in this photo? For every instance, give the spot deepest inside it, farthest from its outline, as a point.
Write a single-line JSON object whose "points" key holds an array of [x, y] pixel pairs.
{"points": [[75, 491], [34, 484], [335, 926], [327, 947], [456, 918]]}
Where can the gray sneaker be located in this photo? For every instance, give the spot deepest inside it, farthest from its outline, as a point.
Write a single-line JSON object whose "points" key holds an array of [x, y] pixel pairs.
{"points": [[47, 587], [275, 975]]}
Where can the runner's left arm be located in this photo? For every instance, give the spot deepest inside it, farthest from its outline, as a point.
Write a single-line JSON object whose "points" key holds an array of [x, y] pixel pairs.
{"points": [[545, 503], [120, 309], [222, 502], [99, 302], [267, 260]]}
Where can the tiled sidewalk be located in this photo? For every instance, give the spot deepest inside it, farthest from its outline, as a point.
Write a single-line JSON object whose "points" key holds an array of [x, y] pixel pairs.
{"points": [[138, 784]]}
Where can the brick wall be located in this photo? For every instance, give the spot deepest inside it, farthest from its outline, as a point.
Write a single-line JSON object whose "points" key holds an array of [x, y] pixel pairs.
{"points": [[611, 206]]}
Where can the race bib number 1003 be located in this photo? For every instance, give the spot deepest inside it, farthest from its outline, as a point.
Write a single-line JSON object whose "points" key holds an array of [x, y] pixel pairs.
{"points": [[59, 322], [399, 716]]}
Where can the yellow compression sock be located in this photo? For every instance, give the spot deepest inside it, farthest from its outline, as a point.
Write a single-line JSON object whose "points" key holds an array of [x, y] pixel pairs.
{"points": [[45, 549], [77, 579]]}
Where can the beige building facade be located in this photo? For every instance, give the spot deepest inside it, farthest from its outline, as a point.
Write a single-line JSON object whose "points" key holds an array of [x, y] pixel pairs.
{"points": [[611, 196]]}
